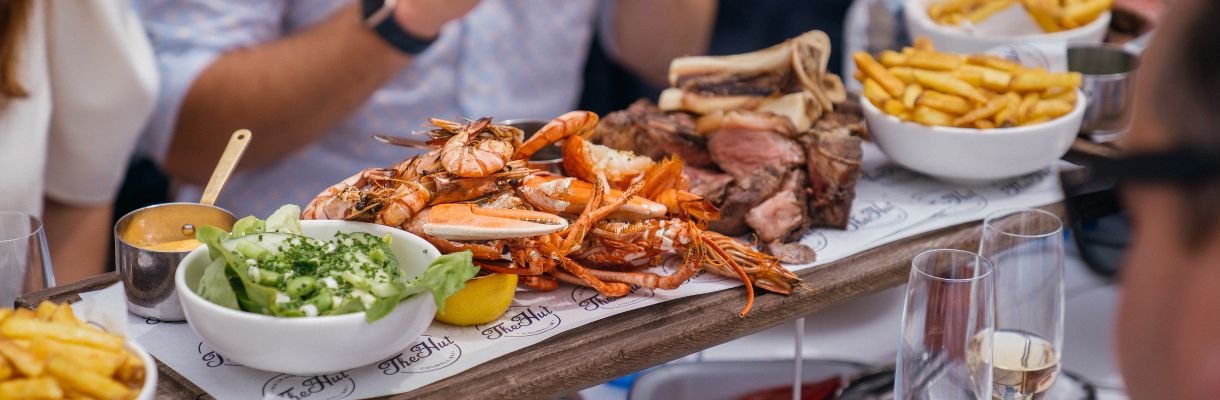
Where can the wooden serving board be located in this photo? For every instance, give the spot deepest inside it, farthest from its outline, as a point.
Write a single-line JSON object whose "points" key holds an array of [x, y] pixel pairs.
{"points": [[635, 340]]}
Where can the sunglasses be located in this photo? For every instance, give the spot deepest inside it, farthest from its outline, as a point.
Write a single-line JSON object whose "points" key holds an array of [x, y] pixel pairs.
{"points": [[1099, 225]]}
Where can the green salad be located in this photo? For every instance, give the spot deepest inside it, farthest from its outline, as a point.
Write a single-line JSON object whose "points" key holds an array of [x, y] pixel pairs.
{"points": [[269, 267]]}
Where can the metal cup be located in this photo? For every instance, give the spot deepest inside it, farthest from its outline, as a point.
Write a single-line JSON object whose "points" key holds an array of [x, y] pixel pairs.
{"points": [[1109, 82], [148, 275], [550, 158]]}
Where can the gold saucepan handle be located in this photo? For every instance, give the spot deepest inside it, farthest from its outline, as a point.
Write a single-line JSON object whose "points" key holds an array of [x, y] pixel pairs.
{"points": [[224, 167]]}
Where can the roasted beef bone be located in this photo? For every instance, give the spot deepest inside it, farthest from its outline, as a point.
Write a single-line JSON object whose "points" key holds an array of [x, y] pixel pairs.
{"points": [[834, 167], [646, 130]]}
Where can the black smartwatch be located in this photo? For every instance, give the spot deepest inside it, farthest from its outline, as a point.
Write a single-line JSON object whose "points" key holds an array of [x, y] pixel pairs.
{"points": [[379, 16]]}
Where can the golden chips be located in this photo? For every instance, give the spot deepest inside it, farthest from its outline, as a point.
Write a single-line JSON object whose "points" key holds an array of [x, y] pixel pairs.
{"points": [[49, 354], [1050, 15], [975, 91]]}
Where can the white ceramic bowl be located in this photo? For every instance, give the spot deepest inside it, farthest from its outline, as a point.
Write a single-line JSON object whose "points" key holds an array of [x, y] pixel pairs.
{"points": [[956, 40], [973, 156], [311, 345], [148, 390]]}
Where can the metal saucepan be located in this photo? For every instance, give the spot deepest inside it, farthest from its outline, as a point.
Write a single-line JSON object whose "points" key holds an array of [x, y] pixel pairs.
{"points": [[150, 242]]}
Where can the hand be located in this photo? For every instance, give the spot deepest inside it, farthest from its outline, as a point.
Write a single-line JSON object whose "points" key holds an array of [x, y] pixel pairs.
{"points": [[424, 18]]}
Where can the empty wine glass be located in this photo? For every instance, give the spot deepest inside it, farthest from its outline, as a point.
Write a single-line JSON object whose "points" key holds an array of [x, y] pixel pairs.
{"points": [[1026, 247], [945, 347], [25, 261]]}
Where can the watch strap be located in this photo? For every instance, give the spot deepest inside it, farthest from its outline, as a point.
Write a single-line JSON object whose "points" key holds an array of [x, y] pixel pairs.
{"points": [[378, 15]]}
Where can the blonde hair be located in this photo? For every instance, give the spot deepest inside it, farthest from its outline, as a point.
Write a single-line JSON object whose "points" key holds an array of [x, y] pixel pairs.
{"points": [[14, 17]]}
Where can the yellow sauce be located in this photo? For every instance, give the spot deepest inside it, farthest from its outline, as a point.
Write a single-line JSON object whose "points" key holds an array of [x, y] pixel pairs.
{"points": [[177, 245]]}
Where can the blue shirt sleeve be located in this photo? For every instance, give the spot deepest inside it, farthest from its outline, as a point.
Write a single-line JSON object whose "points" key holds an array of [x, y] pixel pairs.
{"points": [[188, 35]]}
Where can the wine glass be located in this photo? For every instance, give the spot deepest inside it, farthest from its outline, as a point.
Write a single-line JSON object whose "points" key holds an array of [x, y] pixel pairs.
{"points": [[945, 346], [25, 261], [1026, 247]]}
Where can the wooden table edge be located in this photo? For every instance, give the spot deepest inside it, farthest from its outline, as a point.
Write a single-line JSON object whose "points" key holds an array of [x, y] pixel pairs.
{"points": [[638, 339]]}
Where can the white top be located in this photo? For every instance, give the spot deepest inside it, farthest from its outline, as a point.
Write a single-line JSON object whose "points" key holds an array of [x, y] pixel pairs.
{"points": [[505, 59], [92, 83]]}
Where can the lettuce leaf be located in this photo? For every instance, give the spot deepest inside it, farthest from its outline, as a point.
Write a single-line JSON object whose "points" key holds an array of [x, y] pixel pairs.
{"points": [[444, 277], [287, 219], [248, 226], [215, 287]]}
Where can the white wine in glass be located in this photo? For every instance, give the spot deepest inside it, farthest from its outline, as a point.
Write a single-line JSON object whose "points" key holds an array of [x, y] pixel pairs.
{"points": [[1026, 248]]}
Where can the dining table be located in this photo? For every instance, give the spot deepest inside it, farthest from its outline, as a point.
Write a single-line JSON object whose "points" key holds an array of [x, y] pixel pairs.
{"points": [[635, 340]]}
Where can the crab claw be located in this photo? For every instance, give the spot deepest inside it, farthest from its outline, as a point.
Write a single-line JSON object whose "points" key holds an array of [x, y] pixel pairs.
{"points": [[466, 221]]}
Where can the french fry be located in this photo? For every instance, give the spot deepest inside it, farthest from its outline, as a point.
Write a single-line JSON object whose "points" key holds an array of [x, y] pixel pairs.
{"points": [[890, 58], [1084, 12], [948, 7], [859, 75], [1051, 108], [24, 313], [1067, 95], [974, 78], [45, 310], [80, 334], [943, 102], [905, 74], [931, 117], [1009, 115], [991, 61], [984, 124], [911, 95], [923, 44], [36, 388], [84, 357], [64, 314], [1043, 14], [987, 10], [132, 369], [6, 370], [874, 93], [893, 107], [990, 78], [1044, 80], [1037, 120], [87, 382], [1026, 107], [878, 73], [4, 313], [948, 84], [936, 61], [23, 361], [993, 106]]}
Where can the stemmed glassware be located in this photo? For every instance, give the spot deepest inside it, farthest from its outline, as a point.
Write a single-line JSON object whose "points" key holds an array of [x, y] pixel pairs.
{"points": [[1026, 248], [25, 261], [945, 348]]}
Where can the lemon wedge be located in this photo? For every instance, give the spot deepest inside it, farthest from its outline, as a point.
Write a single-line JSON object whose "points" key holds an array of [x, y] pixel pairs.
{"points": [[484, 299]]}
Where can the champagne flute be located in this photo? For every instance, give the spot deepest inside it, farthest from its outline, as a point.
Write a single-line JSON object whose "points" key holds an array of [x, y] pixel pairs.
{"points": [[25, 261], [945, 346], [1026, 247]]}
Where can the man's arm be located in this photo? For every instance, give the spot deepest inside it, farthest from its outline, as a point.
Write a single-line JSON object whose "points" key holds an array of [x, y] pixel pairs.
{"points": [[648, 34], [291, 91]]}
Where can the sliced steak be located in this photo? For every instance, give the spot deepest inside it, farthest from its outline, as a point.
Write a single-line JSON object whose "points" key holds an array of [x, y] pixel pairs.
{"points": [[782, 216], [646, 130], [743, 147], [709, 184], [742, 196], [834, 168]]}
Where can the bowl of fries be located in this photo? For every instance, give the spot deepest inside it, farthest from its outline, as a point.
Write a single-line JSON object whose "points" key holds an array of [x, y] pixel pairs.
{"points": [[970, 119], [972, 26], [48, 353]]}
